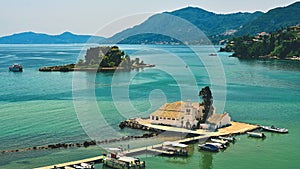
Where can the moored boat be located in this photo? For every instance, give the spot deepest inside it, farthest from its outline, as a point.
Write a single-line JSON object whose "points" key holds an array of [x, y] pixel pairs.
{"points": [[224, 142], [115, 159], [16, 68], [275, 129], [256, 134], [84, 166], [212, 54], [219, 145], [230, 139], [209, 147], [177, 148]]}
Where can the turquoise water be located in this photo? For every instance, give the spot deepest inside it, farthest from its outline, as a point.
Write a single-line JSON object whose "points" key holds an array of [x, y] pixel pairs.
{"points": [[37, 108]]}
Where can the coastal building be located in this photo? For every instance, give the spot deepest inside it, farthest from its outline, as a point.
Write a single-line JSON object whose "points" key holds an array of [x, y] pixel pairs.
{"points": [[216, 121], [186, 115], [179, 114]]}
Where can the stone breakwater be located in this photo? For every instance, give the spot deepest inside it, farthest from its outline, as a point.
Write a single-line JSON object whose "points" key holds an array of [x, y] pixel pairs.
{"points": [[83, 144], [133, 124]]}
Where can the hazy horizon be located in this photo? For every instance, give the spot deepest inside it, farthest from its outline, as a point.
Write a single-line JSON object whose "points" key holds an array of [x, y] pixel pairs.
{"points": [[105, 18]]}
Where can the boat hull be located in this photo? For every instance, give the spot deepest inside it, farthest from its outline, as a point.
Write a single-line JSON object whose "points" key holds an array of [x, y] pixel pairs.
{"points": [[256, 135], [209, 148], [12, 69], [276, 130], [118, 165], [230, 139]]}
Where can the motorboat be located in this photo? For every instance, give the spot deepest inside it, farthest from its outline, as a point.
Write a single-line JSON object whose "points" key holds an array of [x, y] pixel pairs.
{"points": [[115, 159], [177, 148], [209, 147], [212, 54], [256, 134], [219, 145], [83, 166], [16, 68], [224, 142], [230, 139], [275, 129]]}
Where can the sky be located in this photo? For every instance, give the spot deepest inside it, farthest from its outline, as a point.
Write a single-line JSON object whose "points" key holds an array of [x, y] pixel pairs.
{"points": [[106, 17]]}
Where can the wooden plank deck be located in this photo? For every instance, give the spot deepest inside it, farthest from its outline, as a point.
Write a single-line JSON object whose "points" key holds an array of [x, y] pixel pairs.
{"points": [[87, 160], [235, 128]]}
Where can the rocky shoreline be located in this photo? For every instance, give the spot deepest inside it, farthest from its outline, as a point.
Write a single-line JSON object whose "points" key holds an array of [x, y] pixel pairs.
{"points": [[72, 67], [266, 57]]}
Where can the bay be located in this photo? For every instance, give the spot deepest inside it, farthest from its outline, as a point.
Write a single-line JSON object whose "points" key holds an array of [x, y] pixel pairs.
{"points": [[38, 108]]}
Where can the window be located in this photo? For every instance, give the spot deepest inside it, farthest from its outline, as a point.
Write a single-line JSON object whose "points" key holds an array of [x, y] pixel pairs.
{"points": [[169, 118], [156, 117], [188, 111], [173, 119], [152, 117]]}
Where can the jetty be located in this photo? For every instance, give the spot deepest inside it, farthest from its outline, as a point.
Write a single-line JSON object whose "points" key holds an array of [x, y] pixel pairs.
{"points": [[69, 164], [233, 129]]}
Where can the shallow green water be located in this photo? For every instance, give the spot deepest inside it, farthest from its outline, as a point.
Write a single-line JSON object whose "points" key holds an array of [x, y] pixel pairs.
{"points": [[37, 108]]}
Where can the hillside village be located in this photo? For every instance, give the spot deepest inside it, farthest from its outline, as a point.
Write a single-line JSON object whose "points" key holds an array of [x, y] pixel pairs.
{"points": [[282, 44]]}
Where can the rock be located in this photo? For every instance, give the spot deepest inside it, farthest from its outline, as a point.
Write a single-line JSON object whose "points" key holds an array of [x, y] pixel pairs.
{"points": [[86, 144]]}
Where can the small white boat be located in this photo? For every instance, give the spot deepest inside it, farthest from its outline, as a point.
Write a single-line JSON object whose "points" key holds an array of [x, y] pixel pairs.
{"points": [[87, 166], [219, 145], [115, 159], [177, 148], [230, 139], [256, 134], [224, 142], [15, 68], [212, 54], [209, 147], [275, 129]]}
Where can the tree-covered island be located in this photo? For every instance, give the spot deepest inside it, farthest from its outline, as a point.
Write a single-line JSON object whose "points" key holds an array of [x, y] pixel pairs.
{"points": [[102, 58], [282, 44]]}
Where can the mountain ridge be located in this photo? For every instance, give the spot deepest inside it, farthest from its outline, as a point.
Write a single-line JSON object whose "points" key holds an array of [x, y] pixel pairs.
{"points": [[215, 26], [189, 25], [42, 38], [274, 19]]}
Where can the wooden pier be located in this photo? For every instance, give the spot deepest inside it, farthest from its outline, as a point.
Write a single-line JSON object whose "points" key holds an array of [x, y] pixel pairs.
{"points": [[235, 128], [68, 164]]}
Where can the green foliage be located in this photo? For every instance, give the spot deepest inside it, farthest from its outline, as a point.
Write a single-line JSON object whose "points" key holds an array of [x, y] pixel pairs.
{"points": [[284, 43], [104, 56], [111, 64], [207, 98], [80, 62]]}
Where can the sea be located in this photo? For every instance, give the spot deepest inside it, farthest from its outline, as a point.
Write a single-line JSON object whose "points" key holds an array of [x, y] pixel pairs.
{"points": [[42, 108]]}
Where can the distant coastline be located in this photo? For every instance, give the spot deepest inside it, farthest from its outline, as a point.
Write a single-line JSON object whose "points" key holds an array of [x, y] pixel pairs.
{"points": [[42, 38]]}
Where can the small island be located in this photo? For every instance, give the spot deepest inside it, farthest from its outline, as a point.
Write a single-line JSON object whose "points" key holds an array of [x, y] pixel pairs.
{"points": [[101, 59], [283, 44]]}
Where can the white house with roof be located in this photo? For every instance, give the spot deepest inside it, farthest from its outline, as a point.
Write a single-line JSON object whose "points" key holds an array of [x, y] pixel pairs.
{"points": [[216, 121], [186, 115], [179, 114]]}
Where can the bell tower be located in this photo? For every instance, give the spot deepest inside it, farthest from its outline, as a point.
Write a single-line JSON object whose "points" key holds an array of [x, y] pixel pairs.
{"points": [[189, 115]]}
